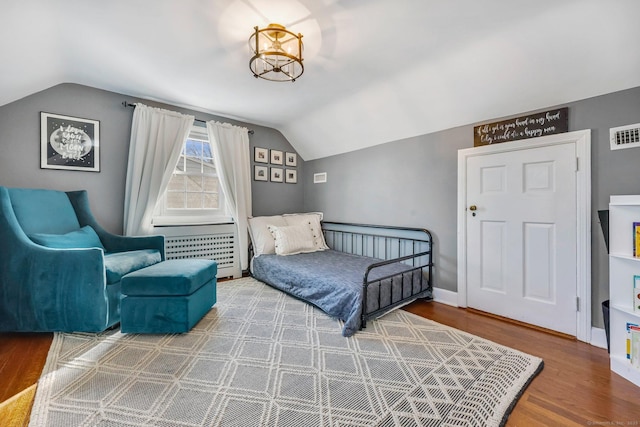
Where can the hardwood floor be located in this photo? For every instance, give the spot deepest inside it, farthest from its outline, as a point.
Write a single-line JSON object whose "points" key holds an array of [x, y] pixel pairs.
{"points": [[575, 388], [22, 357]]}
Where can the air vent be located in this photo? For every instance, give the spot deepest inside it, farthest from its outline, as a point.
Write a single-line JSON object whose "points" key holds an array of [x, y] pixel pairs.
{"points": [[319, 178], [625, 137]]}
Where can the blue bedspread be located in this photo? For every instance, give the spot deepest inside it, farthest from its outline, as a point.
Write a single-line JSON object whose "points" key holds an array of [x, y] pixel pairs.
{"points": [[332, 281]]}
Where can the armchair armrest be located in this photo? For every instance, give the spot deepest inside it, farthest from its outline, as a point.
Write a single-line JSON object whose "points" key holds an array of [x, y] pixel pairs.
{"points": [[112, 242], [46, 289], [115, 243]]}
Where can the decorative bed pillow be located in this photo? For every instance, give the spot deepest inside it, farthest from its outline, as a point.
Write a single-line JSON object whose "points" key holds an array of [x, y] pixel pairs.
{"points": [[293, 239], [263, 241], [313, 221], [83, 238]]}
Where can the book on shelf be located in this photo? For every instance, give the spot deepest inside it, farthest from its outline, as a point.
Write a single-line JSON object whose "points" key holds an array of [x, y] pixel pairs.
{"points": [[636, 239], [636, 294], [635, 346], [629, 326]]}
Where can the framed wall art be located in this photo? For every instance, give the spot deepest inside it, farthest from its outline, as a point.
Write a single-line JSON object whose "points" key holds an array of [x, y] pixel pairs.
{"points": [[260, 173], [291, 176], [260, 155], [276, 157], [291, 159], [276, 174], [70, 143]]}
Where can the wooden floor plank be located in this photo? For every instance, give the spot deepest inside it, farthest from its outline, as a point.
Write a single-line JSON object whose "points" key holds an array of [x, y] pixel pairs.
{"points": [[22, 357], [15, 411]]}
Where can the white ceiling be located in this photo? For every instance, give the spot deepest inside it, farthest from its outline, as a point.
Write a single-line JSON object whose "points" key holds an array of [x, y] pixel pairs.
{"points": [[375, 70]]}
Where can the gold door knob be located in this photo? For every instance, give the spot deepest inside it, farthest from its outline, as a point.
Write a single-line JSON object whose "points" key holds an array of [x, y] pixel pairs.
{"points": [[473, 207]]}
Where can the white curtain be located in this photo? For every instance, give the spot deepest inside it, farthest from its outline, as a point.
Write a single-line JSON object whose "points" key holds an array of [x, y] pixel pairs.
{"points": [[231, 155], [157, 137]]}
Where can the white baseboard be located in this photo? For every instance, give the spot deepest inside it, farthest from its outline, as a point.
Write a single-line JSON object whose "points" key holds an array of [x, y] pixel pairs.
{"points": [[445, 297], [598, 338]]}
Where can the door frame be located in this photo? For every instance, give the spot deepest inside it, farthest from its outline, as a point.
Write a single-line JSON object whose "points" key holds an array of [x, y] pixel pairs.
{"points": [[582, 141]]}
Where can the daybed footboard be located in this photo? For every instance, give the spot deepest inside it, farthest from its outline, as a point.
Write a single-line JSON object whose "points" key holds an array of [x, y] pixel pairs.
{"points": [[406, 272]]}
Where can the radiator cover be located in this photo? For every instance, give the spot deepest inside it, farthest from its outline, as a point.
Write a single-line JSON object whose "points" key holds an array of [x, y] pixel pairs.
{"points": [[216, 242]]}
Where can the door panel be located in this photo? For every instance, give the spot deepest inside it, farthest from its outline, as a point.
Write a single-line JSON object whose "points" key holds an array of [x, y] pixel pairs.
{"points": [[493, 180], [521, 238], [539, 256], [492, 256]]}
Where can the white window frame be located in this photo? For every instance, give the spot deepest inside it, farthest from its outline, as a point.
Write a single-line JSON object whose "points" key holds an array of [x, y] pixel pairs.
{"points": [[167, 217]]}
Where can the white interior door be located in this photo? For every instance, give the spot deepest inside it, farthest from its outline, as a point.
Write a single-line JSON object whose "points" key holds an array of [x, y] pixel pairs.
{"points": [[521, 223]]}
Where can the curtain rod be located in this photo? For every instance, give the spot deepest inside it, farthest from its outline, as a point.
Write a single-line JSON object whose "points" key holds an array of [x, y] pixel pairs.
{"points": [[127, 104]]}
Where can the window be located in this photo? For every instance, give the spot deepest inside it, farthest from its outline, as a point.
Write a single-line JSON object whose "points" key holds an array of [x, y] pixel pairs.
{"points": [[193, 195]]}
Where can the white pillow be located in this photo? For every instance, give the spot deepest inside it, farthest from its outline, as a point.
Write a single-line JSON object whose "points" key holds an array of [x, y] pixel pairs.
{"points": [[263, 241], [313, 221], [293, 239]]}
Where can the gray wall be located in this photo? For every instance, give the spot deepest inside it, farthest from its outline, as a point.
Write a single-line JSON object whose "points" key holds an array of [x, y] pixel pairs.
{"points": [[20, 148], [274, 198], [413, 182]]}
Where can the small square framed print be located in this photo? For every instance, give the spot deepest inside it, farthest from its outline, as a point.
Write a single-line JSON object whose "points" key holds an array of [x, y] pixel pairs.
{"points": [[69, 143], [291, 159], [260, 155], [276, 174], [260, 173], [276, 157], [291, 176]]}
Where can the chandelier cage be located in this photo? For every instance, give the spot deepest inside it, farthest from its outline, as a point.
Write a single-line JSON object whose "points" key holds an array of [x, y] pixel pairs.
{"points": [[277, 54]]}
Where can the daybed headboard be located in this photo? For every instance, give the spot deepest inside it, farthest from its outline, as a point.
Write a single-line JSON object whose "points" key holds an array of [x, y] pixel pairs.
{"points": [[378, 241]]}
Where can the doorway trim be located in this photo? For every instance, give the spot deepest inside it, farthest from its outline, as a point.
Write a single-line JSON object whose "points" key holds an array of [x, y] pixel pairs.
{"points": [[582, 141]]}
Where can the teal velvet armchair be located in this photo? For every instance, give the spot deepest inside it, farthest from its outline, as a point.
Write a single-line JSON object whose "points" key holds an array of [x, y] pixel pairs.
{"points": [[59, 269]]}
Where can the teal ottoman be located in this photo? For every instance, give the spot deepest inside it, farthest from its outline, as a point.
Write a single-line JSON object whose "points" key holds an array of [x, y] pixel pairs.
{"points": [[168, 297]]}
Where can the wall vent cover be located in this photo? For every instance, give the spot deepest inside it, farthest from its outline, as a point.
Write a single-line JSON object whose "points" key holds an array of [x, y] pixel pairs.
{"points": [[625, 137], [319, 178]]}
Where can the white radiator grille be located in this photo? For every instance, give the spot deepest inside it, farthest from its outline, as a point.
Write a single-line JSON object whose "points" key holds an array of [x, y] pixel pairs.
{"points": [[625, 137], [220, 247], [210, 242]]}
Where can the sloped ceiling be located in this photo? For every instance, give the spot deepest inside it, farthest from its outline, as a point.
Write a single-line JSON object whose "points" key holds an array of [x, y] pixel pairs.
{"points": [[375, 70]]}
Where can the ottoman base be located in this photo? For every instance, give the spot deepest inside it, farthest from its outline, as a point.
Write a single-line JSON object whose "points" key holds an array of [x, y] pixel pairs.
{"points": [[166, 313]]}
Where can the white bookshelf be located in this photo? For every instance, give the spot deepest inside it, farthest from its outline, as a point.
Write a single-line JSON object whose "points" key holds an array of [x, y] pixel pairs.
{"points": [[623, 266]]}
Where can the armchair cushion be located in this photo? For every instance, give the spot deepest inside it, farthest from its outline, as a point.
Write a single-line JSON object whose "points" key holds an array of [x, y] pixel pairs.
{"points": [[173, 277], [28, 205], [121, 263], [84, 237]]}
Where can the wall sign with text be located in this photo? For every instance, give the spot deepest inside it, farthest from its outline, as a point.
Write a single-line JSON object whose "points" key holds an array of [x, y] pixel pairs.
{"points": [[529, 126]]}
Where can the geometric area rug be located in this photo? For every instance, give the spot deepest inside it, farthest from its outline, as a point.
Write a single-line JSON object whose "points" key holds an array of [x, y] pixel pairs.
{"points": [[263, 358]]}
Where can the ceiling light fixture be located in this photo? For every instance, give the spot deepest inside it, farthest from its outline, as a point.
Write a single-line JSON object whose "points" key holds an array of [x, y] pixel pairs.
{"points": [[277, 54]]}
